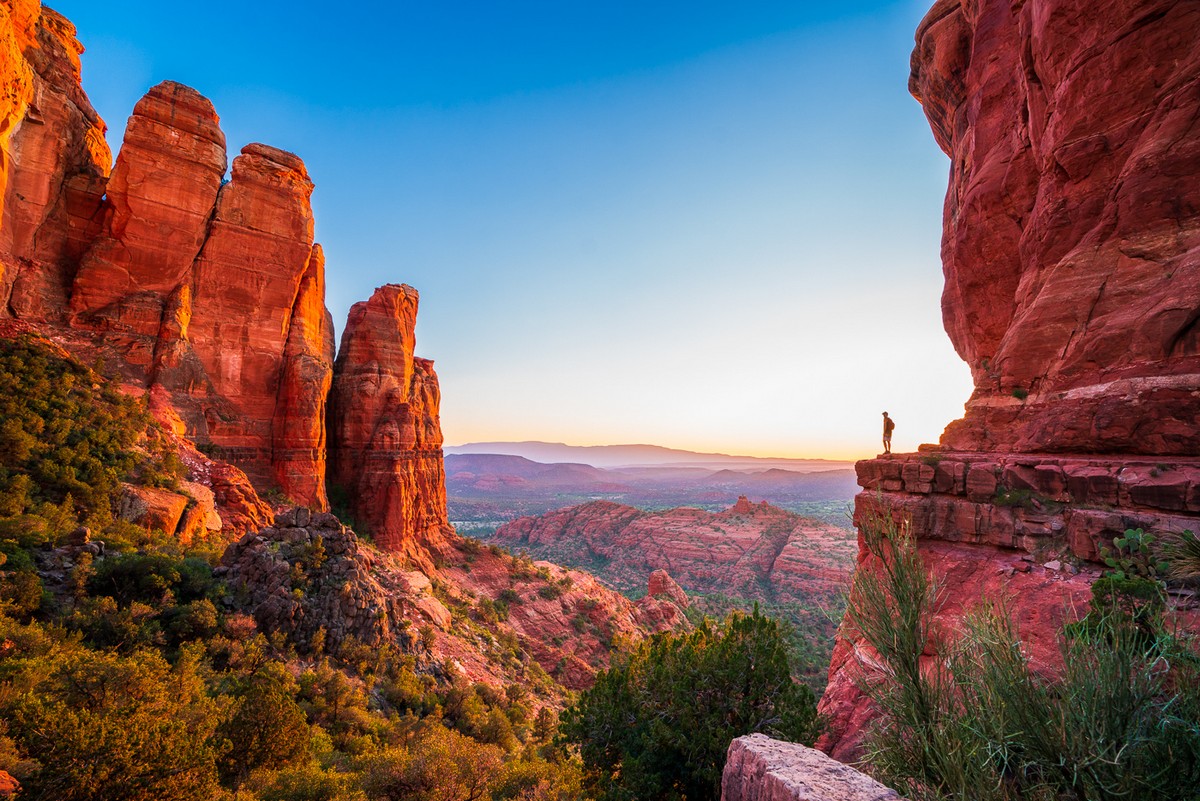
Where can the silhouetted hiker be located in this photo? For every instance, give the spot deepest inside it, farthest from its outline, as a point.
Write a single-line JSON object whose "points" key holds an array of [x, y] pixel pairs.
{"points": [[888, 425]]}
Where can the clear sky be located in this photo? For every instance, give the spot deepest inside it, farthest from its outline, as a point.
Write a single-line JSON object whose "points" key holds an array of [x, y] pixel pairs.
{"points": [[710, 225]]}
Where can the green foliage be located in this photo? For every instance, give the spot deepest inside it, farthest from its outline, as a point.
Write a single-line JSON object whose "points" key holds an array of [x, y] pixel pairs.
{"points": [[1020, 393], [148, 577], [111, 728], [1133, 556], [267, 728], [125, 677], [439, 765], [1121, 720], [1185, 557], [304, 782], [657, 725], [1015, 497], [65, 432]]}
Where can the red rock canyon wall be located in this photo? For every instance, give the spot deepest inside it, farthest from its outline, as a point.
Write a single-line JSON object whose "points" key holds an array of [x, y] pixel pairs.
{"points": [[1071, 252]]}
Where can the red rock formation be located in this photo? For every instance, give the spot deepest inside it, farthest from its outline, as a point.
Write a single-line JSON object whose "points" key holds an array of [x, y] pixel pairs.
{"points": [[385, 435], [760, 553], [246, 286], [215, 294], [566, 620], [1072, 223], [54, 164], [160, 200], [662, 585], [1071, 251], [298, 442]]}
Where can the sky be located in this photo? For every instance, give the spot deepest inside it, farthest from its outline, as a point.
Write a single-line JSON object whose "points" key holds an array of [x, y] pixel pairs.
{"points": [[710, 225]]}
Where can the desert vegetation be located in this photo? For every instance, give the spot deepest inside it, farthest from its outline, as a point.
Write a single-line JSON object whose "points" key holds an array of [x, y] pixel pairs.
{"points": [[127, 673], [1119, 720], [656, 726]]}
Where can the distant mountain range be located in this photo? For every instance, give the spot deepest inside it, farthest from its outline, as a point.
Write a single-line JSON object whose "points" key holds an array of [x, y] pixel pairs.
{"points": [[490, 488], [637, 456]]}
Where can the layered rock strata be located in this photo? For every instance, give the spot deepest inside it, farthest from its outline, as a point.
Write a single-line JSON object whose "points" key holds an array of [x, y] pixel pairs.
{"points": [[54, 161], [1071, 251], [205, 291], [386, 437], [752, 550], [210, 289], [1071, 245]]}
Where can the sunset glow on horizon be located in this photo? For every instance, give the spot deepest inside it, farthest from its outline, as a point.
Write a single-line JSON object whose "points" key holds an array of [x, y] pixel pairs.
{"points": [[701, 226]]}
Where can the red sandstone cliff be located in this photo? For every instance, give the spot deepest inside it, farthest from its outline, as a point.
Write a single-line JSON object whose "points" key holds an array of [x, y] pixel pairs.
{"points": [[1071, 246], [207, 292], [386, 437], [1071, 251], [54, 164]]}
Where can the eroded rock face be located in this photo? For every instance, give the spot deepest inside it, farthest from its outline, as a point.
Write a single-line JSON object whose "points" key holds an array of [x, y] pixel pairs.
{"points": [[1071, 251], [160, 200], [1071, 245], [54, 165], [749, 550], [566, 620], [211, 291], [385, 434]]}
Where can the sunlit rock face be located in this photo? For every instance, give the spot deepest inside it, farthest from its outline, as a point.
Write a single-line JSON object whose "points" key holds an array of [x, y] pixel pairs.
{"points": [[1071, 245], [385, 433], [53, 165], [214, 290], [214, 293], [1071, 250]]}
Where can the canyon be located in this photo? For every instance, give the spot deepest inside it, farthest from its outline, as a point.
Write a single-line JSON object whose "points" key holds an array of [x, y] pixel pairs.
{"points": [[1071, 253], [795, 568], [196, 284]]}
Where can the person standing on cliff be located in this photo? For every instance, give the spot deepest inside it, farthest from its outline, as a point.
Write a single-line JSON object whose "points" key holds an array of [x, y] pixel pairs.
{"points": [[888, 426]]}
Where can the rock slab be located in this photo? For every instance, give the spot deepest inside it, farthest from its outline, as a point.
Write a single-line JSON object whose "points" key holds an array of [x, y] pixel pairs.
{"points": [[758, 768]]}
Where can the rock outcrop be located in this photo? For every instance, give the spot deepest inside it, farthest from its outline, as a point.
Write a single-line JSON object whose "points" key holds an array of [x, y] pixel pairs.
{"points": [[1071, 245], [385, 434], [54, 163], [1071, 252], [307, 577], [566, 620], [758, 768], [749, 550], [207, 291]]}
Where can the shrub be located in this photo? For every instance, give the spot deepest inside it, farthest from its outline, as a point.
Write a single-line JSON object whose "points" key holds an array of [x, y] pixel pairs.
{"points": [[266, 729], [1121, 720], [66, 431], [110, 728], [657, 725]]}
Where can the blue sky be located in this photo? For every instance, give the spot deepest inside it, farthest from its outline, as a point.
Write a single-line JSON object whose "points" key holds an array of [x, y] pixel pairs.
{"points": [[710, 225]]}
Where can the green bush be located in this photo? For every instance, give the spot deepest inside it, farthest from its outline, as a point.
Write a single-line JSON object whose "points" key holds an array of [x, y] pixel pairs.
{"points": [[1120, 721], [67, 432], [104, 727], [657, 725]]}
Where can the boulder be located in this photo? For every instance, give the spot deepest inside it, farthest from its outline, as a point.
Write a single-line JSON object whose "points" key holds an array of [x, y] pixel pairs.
{"points": [[758, 768]]}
